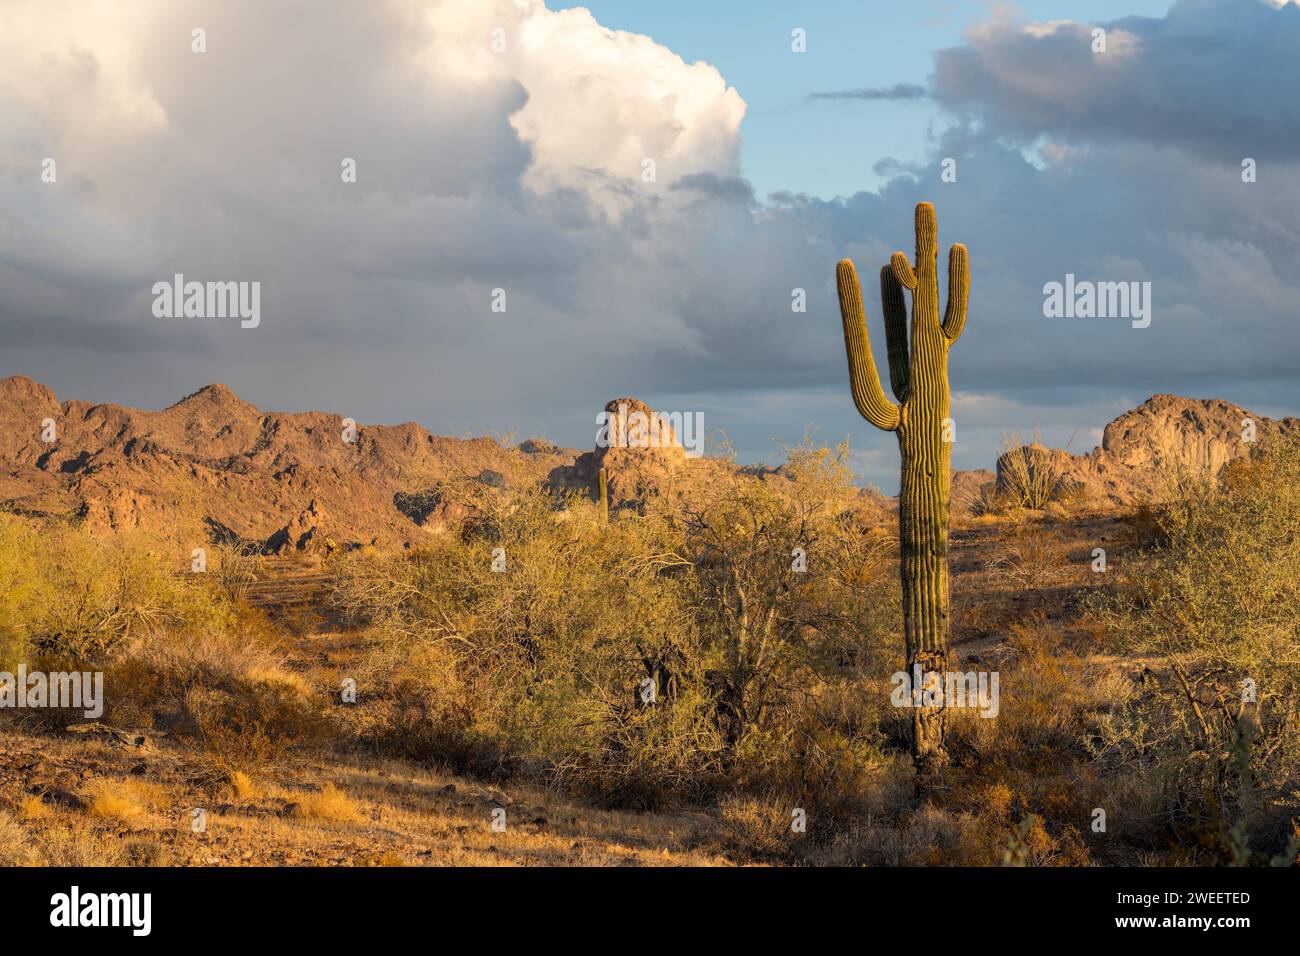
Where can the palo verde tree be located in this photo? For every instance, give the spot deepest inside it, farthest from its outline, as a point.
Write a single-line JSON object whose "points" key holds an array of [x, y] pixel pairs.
{"points": [[918, 374]]}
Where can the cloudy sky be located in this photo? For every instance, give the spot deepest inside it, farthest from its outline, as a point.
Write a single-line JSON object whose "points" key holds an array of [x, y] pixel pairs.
{"points": [[503, 144]]}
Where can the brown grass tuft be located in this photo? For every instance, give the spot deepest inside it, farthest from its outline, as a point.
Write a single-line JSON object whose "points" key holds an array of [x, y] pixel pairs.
{"points": [[330, 803], [111, 800]]}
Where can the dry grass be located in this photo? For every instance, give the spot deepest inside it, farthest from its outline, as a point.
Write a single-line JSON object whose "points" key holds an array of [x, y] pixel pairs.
{"points": [[1030, 559], [113, 800], [15, 846], [243, 787], [761, 829], [80, 846], [34, 808], [366, 813], [330, 803]]}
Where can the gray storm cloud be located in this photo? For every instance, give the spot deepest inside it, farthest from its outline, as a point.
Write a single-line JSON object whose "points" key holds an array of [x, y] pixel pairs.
{"points": [[1213, 76]]}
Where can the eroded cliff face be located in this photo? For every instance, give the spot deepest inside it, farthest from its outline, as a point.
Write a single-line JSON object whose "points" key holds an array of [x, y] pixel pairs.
{"points": [[1164, 436]]}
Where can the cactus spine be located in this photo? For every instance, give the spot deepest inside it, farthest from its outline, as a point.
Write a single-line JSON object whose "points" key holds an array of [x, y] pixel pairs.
{"points": [[918, 374], [604, 496]]}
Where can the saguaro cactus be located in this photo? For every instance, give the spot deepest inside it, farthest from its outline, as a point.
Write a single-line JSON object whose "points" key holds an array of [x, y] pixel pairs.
{"points": [[604, 496], [918, 374]]}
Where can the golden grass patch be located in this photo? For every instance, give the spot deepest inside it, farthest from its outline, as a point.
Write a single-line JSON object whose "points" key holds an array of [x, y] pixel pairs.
{"points": [[114, 800], [34, 808], [244, 787], [330, 803]]}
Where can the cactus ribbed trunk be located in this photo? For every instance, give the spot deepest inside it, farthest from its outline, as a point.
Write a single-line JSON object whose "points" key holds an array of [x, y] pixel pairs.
{"points": [[923, 553], [604, 496], [918, 371]]}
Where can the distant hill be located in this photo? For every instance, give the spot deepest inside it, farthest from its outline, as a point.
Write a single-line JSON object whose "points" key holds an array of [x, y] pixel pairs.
{"points": [[216, 466], [277, 480]]}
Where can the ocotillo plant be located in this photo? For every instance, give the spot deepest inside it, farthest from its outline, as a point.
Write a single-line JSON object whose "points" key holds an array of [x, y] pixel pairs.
{"points": [[918, 373], [604, 496]]}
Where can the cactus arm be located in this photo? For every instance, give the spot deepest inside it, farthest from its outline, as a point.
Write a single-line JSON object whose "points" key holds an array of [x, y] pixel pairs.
{"points": [[868, 396], [954, 318], [903, 270], [895, 308]]}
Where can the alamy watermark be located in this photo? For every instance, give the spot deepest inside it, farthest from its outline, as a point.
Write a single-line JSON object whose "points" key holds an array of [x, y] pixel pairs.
{"points": [[955, 689], [179, 299], [637, 429], [1100, 300], [75, 908], [76, 690]]}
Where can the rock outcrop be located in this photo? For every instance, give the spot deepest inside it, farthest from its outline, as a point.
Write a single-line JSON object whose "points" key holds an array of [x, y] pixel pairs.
{"points": [[968, 487], [304, 533], [639, 450], [1165, 435]]}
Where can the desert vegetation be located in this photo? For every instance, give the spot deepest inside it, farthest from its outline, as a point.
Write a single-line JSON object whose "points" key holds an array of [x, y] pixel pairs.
{"points": [[710, 671], [660, 656], [1214, 607]]}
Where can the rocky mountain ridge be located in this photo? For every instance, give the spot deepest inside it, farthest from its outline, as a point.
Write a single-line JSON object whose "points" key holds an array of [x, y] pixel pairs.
{"points": [[214, 467]]}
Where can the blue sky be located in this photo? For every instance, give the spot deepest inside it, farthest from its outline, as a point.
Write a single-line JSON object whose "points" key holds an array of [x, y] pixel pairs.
{"points": [[828, 148]]}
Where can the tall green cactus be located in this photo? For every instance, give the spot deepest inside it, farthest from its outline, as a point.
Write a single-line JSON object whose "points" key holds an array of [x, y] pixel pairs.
{"points": [[604, 496], [918, 373]]}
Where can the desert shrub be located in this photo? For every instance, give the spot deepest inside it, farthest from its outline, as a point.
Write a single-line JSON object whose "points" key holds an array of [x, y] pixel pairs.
{"points": [[541, 663], [1046, 696], [1144, 528], [767, 626], [1030, 477], [19, 585], [229, 690], [113, 605], [828, 757], [75, 599], [249, 726], [141, 852], [1214, 719], [1031, 844], [415, 702], [232, 571], [650, 755], [664, 655], [758, 828]]}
